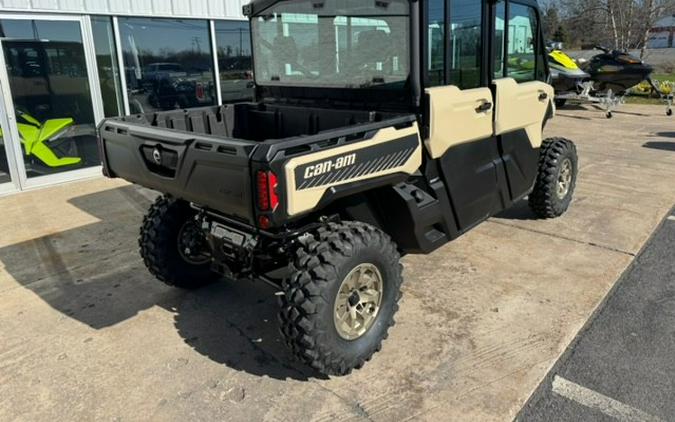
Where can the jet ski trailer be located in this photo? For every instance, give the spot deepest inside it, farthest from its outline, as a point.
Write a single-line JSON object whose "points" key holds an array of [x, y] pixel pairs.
{"points": [[611, 74]]}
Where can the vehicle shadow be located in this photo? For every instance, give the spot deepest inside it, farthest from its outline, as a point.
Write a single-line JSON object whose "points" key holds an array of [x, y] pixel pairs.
{"points": [[571, 116], [663, 146], [235, 323], [519, 211], [630, 113], [93, 274], [572, 106], [90, 273], [666, 134]]}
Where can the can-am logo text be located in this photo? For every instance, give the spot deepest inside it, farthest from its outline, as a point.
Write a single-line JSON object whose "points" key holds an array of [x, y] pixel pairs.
{"points": [[329, 165]]}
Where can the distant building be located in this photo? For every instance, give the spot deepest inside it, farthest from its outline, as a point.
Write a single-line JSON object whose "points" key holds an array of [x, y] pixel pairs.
{"points": [[663, 33]]}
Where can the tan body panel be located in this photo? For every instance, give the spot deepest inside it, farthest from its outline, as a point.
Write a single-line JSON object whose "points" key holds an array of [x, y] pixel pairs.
{"points": [[518, 106], [453, 117], [302, 200]]}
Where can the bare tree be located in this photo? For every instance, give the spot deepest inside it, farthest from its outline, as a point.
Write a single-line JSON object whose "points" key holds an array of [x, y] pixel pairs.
{"points": [[620, 24]]}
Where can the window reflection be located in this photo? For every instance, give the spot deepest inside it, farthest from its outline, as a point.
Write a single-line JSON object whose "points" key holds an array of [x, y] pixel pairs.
{"points": [[234, 60], [498, 40], [465, 38], [49, 83], [4, 166], [108, 68], [168, 64], [521, 62], [436, 39]]}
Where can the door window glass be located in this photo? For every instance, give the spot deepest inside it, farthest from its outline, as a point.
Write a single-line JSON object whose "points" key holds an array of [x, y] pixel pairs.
{"points": [[49, 83], [436, 40], [498, 40], [168, 63], [233, 41], [465, 40], [521, 62], [108, 68]]}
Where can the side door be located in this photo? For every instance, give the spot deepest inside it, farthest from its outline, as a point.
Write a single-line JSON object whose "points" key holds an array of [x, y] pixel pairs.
{"points": [[523, 99], [461, 108]]}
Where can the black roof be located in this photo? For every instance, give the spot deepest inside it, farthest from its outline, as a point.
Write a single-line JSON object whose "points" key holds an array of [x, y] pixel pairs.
{"points": [[257, 6]]}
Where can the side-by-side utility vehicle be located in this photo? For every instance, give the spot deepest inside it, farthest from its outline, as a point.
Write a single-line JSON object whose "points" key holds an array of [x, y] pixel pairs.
{"points": [[379, 128]]}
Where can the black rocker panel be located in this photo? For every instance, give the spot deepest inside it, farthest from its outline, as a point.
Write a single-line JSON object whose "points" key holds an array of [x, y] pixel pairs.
{"points": [[476, 181], [521, 161]]}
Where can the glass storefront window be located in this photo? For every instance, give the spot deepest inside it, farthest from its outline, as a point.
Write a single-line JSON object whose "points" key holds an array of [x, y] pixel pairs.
{"points": [[49, 83], [4, 166], [167, 63], [108, 68], [233, 41]]}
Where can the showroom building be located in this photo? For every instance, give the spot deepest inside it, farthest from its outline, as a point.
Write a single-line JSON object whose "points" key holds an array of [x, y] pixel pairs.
{"points": [[68, 64]]}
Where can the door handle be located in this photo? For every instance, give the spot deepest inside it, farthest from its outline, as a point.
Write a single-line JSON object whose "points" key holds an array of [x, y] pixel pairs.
{"points": [[543, 96], [486, 106]]}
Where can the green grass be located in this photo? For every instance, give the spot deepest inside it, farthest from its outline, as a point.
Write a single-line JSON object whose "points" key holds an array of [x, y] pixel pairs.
{"points": [[664, 77]]}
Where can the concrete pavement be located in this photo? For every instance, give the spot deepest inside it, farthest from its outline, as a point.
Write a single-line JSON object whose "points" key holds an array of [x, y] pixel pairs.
{"points": [[88, 334]]}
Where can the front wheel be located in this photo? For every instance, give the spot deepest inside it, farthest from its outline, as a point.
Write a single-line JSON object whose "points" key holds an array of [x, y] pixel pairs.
{"points": [[173, 246], [556, 179], [341, 298]]}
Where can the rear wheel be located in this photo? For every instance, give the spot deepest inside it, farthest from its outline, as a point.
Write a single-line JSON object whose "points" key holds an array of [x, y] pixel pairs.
{"points": [[560, 102], [173, 246], [556, 180], [341, 298]]}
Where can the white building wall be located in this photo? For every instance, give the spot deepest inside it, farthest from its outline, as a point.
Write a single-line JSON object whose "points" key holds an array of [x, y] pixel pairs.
{"points": [[659, 40], [204, 9]]}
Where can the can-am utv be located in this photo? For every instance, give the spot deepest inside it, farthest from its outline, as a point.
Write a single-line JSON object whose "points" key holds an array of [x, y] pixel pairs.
{"points": [[379, 128]]}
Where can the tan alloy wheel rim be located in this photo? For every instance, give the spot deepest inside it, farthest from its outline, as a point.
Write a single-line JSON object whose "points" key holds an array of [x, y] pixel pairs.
{"points": [[564, 179], [358, 301]]}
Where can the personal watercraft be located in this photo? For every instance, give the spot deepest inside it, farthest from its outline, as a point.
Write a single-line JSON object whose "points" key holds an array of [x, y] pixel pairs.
{"points": [[616, 70], [47, 145], [604, 79], [566, 76]]}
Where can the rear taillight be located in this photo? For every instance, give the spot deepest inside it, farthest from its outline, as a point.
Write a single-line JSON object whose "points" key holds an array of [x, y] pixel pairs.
{"points": [[273, 186], [268, 197]]}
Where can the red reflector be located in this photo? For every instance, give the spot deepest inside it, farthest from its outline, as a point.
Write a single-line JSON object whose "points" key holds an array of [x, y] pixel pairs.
{"points": [[263, 191], [264, 222]]}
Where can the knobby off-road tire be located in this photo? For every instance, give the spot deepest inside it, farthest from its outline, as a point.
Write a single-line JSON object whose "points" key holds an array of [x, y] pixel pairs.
{"points": [[556, 180], [321, 264], [159, 246]]}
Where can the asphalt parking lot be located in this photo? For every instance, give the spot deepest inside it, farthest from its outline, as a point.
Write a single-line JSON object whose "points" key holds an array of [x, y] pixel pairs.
{"points": [[621, 365], [88, 334]]}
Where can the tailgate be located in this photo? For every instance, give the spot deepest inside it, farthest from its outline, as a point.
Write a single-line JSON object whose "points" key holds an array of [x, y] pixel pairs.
{"points": [[207, 170]]}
